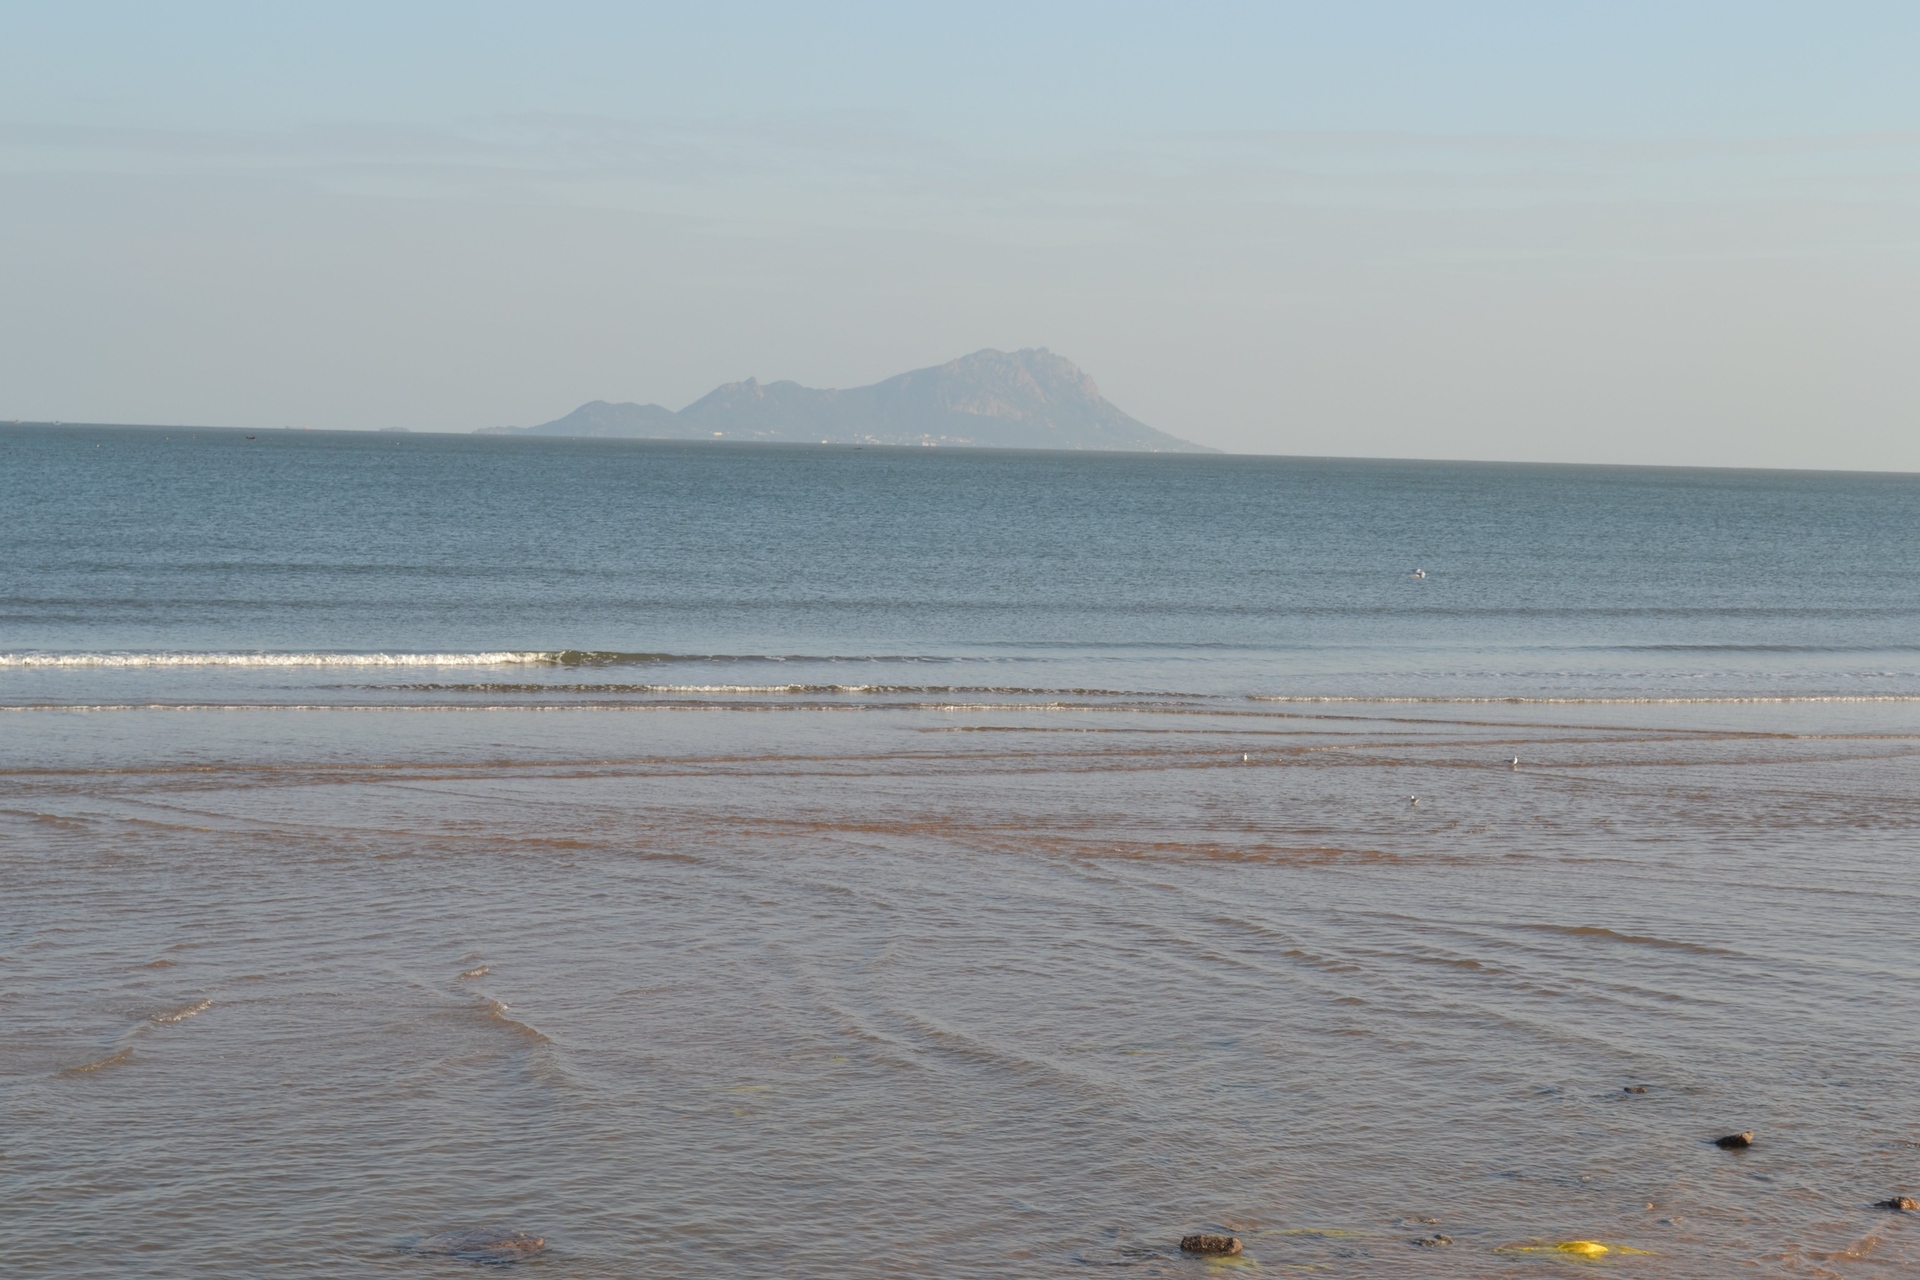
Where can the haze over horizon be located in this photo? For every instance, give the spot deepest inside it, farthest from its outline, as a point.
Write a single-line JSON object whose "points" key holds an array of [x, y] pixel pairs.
{"points": [[1626, 233]]}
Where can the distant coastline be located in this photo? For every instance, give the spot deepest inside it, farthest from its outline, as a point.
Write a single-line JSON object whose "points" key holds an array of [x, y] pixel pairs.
{"points": [[1027, 399]]}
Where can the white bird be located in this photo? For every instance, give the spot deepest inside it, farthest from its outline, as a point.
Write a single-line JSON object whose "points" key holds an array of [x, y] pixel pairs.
{"points": [[1246, 759], [1514, 763], [1413, 799], [1418, 573]]}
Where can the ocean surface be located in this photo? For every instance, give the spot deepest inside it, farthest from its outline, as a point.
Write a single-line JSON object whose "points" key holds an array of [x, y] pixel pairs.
{"points": [[824, 861]]}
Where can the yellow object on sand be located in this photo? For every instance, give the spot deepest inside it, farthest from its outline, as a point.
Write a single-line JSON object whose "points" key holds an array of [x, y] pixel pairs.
{"points": [[1578, 1248]]}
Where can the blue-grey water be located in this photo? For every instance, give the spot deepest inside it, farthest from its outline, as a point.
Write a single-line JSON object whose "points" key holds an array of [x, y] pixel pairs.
{"points": [[860, 862]]}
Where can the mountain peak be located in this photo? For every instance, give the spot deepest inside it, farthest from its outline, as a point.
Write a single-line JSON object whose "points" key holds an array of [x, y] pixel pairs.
{"points": [[1012, 384]]}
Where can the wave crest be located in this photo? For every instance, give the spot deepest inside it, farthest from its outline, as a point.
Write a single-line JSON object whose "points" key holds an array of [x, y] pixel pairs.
{"points": [[499, 658], [479, 658]]}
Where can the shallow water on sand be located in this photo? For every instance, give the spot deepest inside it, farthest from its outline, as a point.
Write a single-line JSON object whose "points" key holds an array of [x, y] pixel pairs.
{"points": [[961, 992]]}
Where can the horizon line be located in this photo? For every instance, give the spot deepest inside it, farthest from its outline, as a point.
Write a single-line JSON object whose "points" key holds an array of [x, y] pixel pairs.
{"points": [[1214, 452]]}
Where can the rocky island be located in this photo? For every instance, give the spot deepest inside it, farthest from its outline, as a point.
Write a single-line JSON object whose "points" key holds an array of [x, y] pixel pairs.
{"points": [[1027, 399]]}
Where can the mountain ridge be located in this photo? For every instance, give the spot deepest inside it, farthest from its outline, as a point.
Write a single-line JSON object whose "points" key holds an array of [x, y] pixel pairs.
{"points": [[1025, 399]]}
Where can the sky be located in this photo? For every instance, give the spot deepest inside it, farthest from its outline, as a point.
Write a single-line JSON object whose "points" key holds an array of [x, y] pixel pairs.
{"points": [[1666, 233]]}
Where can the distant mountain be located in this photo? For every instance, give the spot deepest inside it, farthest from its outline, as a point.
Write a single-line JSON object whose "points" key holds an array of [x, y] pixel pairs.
{"points": [[1029, 399]]}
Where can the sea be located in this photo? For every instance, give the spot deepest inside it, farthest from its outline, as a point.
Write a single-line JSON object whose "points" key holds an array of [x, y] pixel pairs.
{"points": [[780, 861]]}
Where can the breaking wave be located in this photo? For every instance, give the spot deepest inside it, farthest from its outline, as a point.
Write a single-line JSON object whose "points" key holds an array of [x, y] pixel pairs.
{"points": [[483, 658], [182, 1013], [502, 658]]}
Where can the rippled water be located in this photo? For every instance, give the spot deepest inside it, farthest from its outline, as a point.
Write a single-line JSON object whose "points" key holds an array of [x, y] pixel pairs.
{"points": [[863, 863]]}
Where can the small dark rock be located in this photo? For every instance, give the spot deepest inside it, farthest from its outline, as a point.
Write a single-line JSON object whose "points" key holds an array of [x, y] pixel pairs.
{"points": [[1434, 1242], [481, 1244], [1734, 1141], [1634, 1088], [1900, 1204], [1217, 1245]]}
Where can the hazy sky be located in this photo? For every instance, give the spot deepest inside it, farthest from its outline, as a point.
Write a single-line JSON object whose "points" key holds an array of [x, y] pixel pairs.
{"points": [[1611, 231]]}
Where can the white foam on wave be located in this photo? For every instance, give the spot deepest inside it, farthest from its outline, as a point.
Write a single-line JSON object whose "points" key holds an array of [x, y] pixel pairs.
{"points": [[495, 1012], [489, 659], [754, 688], [182, 1013]]}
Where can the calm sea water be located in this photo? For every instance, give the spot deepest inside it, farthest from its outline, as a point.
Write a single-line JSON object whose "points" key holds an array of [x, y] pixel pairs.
{"points": [[837, 862]]}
